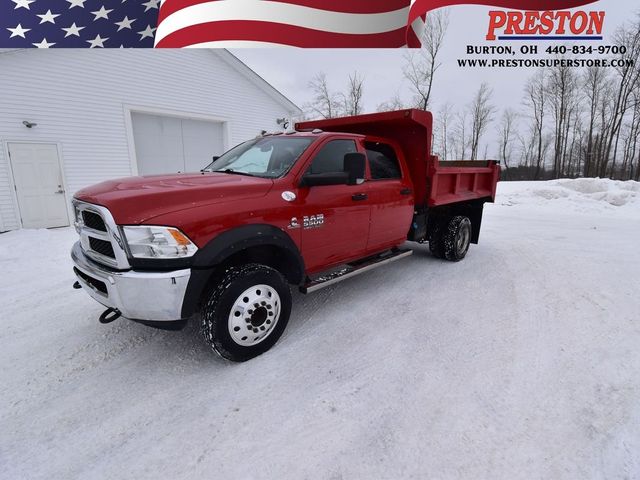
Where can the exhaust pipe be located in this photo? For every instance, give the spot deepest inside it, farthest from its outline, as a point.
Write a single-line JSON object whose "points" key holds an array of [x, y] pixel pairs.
{"points": [[109, 315]]}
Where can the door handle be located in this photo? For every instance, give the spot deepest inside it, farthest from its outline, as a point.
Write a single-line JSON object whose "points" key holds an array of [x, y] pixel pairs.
{"points": [[357, 197], [405, 191]]}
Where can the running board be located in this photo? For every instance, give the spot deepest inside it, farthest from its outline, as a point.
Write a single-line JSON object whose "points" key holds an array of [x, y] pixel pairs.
{"points": [[353, 269]]}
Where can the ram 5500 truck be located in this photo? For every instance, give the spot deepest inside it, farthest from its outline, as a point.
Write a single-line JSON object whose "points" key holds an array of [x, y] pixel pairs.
{"points": [[307, 208]]}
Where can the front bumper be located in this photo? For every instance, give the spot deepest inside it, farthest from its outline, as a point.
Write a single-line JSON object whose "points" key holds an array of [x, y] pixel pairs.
{"points": [[147, 296]]}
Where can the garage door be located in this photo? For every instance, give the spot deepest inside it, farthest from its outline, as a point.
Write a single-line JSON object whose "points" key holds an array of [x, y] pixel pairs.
{"points": [[171, 144]]}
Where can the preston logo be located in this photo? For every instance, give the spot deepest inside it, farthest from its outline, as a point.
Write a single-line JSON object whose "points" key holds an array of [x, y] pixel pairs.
{"points": [[547, 25]]}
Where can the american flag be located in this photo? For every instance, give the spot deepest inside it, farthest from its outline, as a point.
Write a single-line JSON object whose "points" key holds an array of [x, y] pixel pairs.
{"points": [[229, 23]]}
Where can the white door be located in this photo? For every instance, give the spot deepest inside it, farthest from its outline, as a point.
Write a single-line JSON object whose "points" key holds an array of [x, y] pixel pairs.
{"points": [[166, 144], [39, 186]]}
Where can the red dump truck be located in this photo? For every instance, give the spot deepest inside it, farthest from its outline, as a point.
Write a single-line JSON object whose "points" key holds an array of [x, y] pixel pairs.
{"points": [[306, 208]]}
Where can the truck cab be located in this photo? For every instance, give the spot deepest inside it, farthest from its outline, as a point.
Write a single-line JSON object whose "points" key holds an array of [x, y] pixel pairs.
{"points": [[308, 208]]}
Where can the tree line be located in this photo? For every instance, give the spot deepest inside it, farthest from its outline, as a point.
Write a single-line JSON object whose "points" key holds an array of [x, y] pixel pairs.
{"points": [[569, 122]]}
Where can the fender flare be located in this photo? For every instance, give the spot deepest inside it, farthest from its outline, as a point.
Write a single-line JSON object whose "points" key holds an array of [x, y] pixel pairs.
{"points": [[234, 241]]}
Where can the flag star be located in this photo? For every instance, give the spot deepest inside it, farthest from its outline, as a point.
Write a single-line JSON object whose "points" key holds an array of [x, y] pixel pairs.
{"points": [[97, 42], [102, 13], [147, 32], [151, 4], [18, 31], [73, 30], [22, 4], [48, 17], [43, 44], [76, 3], [125, 23]]}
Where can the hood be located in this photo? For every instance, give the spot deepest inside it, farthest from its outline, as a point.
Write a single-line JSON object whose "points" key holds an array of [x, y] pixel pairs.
{"points": [[133, 200]]}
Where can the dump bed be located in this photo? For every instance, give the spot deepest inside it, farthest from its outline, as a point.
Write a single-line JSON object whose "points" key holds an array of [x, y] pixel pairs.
{"points": [[435, 182]]}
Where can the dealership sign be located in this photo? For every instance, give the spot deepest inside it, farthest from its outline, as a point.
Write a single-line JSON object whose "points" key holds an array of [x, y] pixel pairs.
{"points": [[545, 25]]}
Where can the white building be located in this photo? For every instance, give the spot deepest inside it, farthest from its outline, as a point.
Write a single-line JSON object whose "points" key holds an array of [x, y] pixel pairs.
{"points": [[71, 118]]}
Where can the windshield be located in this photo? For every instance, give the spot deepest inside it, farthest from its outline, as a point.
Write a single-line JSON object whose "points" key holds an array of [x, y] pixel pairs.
{"points": [[267, 157]]}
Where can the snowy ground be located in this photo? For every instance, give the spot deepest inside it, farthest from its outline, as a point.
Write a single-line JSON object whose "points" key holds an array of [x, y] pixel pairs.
{"points": [[522, 361]]}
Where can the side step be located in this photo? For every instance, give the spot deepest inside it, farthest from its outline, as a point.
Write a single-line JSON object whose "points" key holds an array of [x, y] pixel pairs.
{"points": [[353, 269]]}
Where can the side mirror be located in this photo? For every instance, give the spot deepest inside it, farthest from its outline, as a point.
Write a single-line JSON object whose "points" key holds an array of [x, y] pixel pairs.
{"points": [[215, 157], [324, 179], [354, 166]]}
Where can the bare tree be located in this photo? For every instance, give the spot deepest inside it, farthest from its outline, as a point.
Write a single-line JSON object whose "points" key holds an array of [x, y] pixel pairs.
{"points": [[536, 100], [594, 83], [507, 132], [561, 89], [628, 81], [631, 138], [352, 99], [422, 65], [460, 140], [445, 115], [481, 112], [324, 103]]}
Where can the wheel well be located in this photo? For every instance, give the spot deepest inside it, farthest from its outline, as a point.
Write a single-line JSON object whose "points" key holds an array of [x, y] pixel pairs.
{"points": [[472, 210], [278, 258]]}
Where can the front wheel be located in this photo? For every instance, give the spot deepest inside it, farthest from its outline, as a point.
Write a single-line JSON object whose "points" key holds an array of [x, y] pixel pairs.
{"points": [[246, 311]]}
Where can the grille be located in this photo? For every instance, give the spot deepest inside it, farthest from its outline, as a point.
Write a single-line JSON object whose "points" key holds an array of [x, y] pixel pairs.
{"points": [[102, 247], [94, 221], [97, 284]]}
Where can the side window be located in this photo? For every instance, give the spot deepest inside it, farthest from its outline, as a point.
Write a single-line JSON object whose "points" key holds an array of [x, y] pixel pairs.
{"points": [[383, 161], [330, 158]]}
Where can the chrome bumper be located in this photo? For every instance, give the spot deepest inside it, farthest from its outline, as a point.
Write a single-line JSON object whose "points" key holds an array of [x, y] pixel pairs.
{"points": [[153, 296]]}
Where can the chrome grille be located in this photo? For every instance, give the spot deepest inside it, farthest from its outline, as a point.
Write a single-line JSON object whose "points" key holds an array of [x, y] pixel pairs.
{"points": [[93, 220], [102, 247], [99, 236]]}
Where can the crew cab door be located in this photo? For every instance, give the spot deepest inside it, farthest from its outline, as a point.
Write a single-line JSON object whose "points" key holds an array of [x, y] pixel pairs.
{"points": [[334, 218], [390, 195]]}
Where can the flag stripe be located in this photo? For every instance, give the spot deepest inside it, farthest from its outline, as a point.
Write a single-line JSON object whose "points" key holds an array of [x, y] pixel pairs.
{"points": [[342, 6], [282, 13], [205, 34]]}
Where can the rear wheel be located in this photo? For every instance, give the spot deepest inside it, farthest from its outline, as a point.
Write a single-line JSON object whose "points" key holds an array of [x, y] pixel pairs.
{"points": [[246, 311], [456, 238]]}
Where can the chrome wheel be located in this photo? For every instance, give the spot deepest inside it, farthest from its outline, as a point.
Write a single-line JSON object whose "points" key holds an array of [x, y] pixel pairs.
{"points": [[254, 315], [462, 242]]}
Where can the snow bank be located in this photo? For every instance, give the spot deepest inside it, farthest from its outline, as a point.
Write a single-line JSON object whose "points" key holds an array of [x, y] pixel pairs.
{"points": [[583, 195]]}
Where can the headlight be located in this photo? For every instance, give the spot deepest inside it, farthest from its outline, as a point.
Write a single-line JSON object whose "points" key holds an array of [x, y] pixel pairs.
{"points": [[158, 242]]}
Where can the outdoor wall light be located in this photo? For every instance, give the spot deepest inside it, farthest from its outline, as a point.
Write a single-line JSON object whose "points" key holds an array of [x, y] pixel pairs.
{"points": [[29, 124]]}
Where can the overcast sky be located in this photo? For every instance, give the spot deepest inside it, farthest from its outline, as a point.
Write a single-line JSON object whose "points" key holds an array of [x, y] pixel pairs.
{"points": [[289, 70]]}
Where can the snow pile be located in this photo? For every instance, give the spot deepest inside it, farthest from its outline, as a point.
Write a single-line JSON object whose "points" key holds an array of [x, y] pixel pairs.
{"points": [[519, 362], [580, 195]]}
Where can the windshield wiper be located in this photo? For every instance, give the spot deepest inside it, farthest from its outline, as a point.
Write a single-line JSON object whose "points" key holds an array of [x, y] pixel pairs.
{"points": [[233, 172]]}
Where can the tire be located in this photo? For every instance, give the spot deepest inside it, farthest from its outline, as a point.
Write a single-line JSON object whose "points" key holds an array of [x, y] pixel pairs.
{"points": [[436, 247], [246, 311], [456, 238]]}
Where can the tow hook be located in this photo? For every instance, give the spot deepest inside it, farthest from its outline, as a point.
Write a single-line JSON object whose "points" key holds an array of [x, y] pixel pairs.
{"points": [[77, 285], [109, 315]]}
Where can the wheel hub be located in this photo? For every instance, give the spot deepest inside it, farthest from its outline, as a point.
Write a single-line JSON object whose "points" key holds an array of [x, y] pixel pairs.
{"points": [[254, 315], [259, 316], [462, 240]]}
